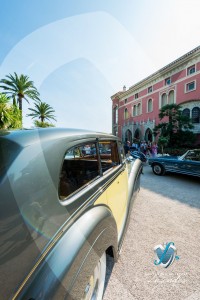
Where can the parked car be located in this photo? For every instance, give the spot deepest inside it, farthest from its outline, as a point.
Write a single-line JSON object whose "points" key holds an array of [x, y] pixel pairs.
{"points": [[63, 209], [188, 163]]}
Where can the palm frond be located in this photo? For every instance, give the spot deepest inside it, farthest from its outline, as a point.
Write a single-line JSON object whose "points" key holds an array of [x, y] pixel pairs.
{"points": [[43, 111], [20, 87]]}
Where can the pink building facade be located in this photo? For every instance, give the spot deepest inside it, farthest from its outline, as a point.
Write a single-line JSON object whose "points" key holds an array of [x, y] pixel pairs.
{"points": [[135, 111]]}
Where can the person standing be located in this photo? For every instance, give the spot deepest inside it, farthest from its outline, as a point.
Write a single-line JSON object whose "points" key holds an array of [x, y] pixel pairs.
{"points": [[143, 147], [134, 146], [87, 149], [149, 148], [127, 147], [154, 149]]}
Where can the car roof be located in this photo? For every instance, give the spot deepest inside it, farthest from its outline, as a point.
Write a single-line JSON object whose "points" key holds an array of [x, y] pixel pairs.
{"points": [[27, 137]]}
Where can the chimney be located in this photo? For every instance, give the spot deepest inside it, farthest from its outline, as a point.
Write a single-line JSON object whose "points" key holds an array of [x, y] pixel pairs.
{"points": [[124, 88]]}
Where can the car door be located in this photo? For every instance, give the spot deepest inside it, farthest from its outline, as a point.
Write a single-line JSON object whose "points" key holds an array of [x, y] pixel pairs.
{"points": [[171, 164], [117, 180], [184, 166], [191, 163]]}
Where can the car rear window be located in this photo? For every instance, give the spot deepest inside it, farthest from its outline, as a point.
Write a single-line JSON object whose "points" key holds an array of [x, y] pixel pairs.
{"points": [[80, 167], [85, 163], [109, 155]]}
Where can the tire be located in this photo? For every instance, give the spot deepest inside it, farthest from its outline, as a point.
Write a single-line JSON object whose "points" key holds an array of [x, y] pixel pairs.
{"points": [[158, 169], [95, 288]]}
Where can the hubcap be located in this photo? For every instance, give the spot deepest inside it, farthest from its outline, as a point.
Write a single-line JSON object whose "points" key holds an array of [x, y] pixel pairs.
{"points": [[157, 169]]}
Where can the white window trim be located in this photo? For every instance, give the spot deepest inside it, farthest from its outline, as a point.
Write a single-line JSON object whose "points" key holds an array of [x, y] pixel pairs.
{"points": [[151, 86], [148, 105], [135, 96], [134, 115], [139, 103], [188, 84], [116, 114], [126, 109], [160, 100], [167, 84], [190, 110], [168, 96], [189, 68]]}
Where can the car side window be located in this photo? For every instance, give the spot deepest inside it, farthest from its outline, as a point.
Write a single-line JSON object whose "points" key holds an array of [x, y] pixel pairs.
{"points": [[80, 167], [193, 155], [122, 153], [109, 155]]}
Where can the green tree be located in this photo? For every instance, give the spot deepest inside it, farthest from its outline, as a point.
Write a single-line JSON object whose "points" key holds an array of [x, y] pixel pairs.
{"points": [[17, 117], [5, 112], [42, 111], [19, 87], [43, 124], [10, 115], [163, 142], [176, 127]]}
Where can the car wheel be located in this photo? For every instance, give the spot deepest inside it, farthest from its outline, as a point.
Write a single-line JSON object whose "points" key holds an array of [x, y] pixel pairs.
{"points": [[95, 288], [158, 169]]}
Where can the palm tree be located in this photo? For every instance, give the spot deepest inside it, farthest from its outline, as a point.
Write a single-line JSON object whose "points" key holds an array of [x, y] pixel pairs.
{"points": [[19, 87], [43, 111]]}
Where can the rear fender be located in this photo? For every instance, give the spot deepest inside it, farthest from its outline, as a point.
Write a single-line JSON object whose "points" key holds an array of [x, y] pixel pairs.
{"points": [[76, 253]]}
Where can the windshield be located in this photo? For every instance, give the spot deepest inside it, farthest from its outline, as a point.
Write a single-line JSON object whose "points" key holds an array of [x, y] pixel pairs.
{"points": [[191, 155], [181, 157]]}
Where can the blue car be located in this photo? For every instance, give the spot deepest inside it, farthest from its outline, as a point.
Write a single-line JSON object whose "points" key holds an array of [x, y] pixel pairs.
{"points": [[188, 163]]}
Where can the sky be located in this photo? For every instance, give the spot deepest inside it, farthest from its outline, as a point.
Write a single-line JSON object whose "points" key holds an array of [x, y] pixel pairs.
{"points": [[79, 53]]}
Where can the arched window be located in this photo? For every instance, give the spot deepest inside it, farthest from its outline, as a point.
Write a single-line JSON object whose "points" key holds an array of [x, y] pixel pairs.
{"points": [[139, 109], [171, 97], [150, 105], [163, 100], [137, 134], [128, 136], [134, 110], [126, 113], [196, 115], [186, 112], [148, 135]]}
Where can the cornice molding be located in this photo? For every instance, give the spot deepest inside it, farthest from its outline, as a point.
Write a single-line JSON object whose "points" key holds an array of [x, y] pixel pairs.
{"points": [[174, 67], [163, 88], [190, 103]]}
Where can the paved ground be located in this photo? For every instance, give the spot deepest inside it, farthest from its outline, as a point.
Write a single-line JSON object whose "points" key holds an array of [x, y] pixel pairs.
{"points": [[167, 209]]}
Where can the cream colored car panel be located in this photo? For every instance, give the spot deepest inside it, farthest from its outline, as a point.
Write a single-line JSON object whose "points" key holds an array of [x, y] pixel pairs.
{"points": [[117, 197]]}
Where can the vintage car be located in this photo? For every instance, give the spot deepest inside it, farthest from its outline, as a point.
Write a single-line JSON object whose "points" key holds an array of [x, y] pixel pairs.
{"points": [[64, 206], [188, 163]]}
